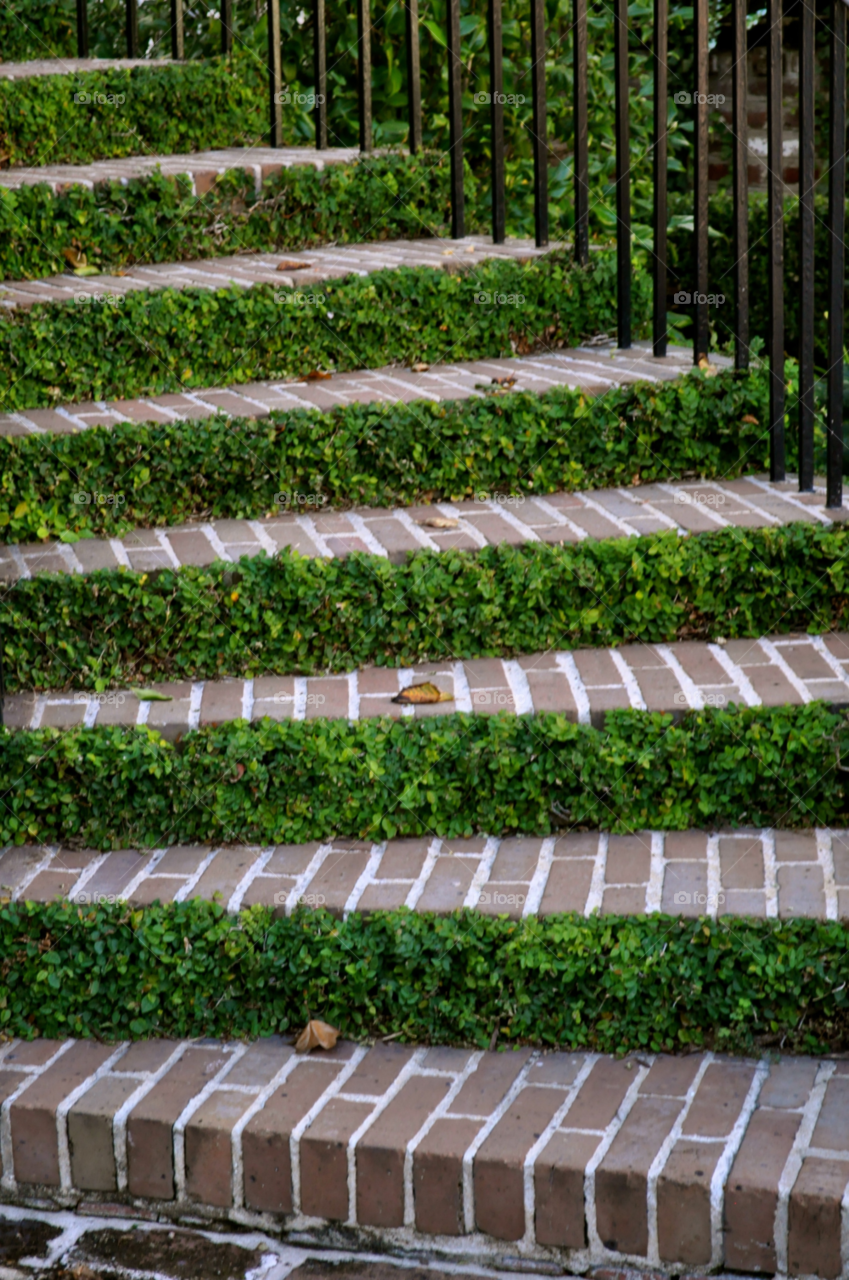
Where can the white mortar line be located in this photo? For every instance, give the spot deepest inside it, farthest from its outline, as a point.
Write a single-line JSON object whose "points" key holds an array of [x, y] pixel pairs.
{"points": [[7, 1157], [299, 711], [567, 664], [148, 866], [68, 554], [541, 1143], [465, 526], [436, 1114], [561, 519], [143, 713], [737, 674], [162, 539], [714, 877], [647, 506], [481, 1136], [235, 1052], [501, 509], [247, 700], [776, 658], [663, 1153], [119, 1120], [632, 687], [297, 890], [47, 857], [683, 498], [828, 657], [747, 503], [304, 1123], [258, 865], [353, 696], [65, 1179], [366, 878], [462, 692], [793, 1163], [119, 551], [182, 894], [236, 1148], [785, 496], [38, 709], [424, 875], [264, 538], [362, 530], [654, 888], [307, 525], [195, 699], [770, 873], [596, 1248], [388, 1096], [416, 531], [596, 893], [723, 1168], [536, 889], [211, 534], [844, 1232], [482, 873], [86, 875], [691, 691], [17, 555], [825, 858], [523, 702], [622, 525], [90, 713]]}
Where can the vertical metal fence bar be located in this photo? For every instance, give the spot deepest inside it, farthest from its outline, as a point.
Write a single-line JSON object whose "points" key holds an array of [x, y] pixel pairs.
{"points": [[275, 75], [661, 114], [414, 75], [364, 72], [806, 248], [579, 114], [226, 26], [701, 330], [178, 44], [623, 176], [319, 50], [82, 28], [132, 26], [740, 161], [455, 121], [836, 252], [540, 122], [496, 119], [775, 242]]}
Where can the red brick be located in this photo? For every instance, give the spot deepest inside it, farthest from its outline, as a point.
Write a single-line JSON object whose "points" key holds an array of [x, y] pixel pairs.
{"points": [[324, 1158], [381, 1151], [90, 1134], [813, 1236], [338, 874], [622, 1176], [559, 1189], [498, 1168], [719, 1099], [628, 859], [601, 1095], [683, 1202], [567, 887], [35, 1141], [832, 1127], [438, 1176], [670, 1077], [751, 1193]]}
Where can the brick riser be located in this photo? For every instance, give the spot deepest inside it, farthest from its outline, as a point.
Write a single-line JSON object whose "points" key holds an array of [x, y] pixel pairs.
{"points": [[568, 1156], [764, 874]]}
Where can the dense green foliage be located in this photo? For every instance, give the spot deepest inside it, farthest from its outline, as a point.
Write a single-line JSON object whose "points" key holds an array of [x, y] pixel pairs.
{"points": [[294, 614], [608, 983], [152, 341], [380, 456], [452, 775]]}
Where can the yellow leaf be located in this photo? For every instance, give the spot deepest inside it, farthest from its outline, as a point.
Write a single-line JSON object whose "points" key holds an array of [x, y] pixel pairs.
{"points": [[422, 694], [21, 509]]}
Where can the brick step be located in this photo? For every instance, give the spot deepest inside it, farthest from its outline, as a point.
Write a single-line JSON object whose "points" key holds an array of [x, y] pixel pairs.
{"points": [[766, 874], [582, 684], [593, 369], [201, 167], [696, 1162], [488, 520], [74, 66]]}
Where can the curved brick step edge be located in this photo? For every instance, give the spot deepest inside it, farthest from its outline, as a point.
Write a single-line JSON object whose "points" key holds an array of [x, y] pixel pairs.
{"points": [[582, 684], [694, 1162], [73, 66], [394, 533], [766, 874]]}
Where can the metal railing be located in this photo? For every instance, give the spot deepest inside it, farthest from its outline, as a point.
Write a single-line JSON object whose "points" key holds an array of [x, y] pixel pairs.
{"points": [[775, 338]]}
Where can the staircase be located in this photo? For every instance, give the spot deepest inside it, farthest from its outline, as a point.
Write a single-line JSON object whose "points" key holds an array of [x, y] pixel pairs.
{"points": [[479, 1145]]}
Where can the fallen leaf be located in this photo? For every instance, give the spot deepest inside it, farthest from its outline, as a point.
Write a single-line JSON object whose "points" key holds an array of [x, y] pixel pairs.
{"points": [[316, 1035], [421, 694], [509, 380], [151, 695], [318, 375], [747, 417], [420, 368], [74, 257], [288, 265], [441, 522], [470, 248], [87, 271], [447, 253], [707, 368]]}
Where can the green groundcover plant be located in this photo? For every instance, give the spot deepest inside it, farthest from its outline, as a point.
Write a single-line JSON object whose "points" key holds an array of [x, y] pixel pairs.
{"points": [[292, 614], [610, 984], [452, 776]]}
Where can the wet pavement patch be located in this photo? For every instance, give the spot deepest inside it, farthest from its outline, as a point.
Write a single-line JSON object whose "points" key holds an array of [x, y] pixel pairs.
{"points": [[25, 1238], [185, 1255]]}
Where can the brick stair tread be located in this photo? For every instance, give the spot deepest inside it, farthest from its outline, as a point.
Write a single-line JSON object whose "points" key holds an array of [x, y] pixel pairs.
{"points": [[766, 874], [73, 66], [689, 507], [245, 270], [697, 1162], [206, 165], [590, 369]]}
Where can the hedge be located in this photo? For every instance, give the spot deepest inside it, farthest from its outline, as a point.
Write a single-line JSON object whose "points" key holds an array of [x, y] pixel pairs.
{"points": [[300, 780], [294, 614], [378, 455], [155, 341], [609, 984], [157, 219]]}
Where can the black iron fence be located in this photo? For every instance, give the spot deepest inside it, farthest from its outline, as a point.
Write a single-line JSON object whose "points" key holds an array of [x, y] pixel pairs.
{"points": [[835, 21]]}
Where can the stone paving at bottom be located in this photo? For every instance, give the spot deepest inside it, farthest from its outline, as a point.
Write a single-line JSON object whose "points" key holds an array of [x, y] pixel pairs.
{"points": [[761, 873], [696, 1162]]}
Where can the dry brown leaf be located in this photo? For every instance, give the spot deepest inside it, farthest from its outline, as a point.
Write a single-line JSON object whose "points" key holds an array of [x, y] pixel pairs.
{"points": [[419, 368], [318, 375], [441, 522], [288, 265], [747, 417], [421, 694], [73, 257], [706, 367], [316, 1035]]}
